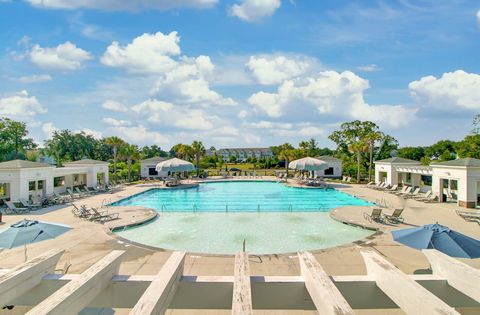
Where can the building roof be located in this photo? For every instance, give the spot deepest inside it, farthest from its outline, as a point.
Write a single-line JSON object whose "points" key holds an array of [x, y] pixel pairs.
{"points": [[327, 158], [153, 159], [86, 162], [398, 160], [21, 164], [466, 162], [245, 149]]}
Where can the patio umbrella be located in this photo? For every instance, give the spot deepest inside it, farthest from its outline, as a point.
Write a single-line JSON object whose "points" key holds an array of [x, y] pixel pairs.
{"points": [[174, 165], [308, 164], [439, 237], [29, 231]]}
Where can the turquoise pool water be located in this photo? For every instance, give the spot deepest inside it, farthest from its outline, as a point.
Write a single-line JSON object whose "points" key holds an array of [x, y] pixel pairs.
{"points": [[289, 220], [242, 197]]}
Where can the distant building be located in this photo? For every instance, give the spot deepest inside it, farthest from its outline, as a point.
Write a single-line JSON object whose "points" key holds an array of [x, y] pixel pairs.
{"points": [[148, 167], [334, 169], [242, 154]]}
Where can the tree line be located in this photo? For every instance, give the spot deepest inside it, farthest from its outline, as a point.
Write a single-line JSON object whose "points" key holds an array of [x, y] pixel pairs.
{"points": [[359, 144]]}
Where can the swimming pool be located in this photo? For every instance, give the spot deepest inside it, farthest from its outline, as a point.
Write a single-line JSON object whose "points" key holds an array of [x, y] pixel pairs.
{"points": [[269, 216], [242, 196]]}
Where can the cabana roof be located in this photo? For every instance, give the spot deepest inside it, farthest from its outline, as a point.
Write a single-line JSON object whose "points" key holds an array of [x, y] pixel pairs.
{"points": [[466, 162], [397, 160], [328, 158], [154, 159], [21, 164], [86, 162]]}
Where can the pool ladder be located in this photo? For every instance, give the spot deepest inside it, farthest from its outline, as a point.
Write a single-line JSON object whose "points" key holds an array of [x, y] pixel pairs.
{"points": [[290, 208], [194, 208], [226, 208], [164, 207]]}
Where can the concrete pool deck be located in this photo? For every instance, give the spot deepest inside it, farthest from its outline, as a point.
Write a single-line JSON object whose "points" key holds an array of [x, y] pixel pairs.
{"points": [[87, 242]]}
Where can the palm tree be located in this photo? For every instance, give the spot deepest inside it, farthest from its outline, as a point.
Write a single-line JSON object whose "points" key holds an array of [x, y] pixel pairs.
{"points": [[285, 153], [115, 143], [358, 147], [198, 149], [371, 139], [129, 152]]}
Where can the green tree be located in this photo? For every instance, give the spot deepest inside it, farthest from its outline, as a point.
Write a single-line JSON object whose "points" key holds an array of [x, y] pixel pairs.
{"points": [[152, 151], [115, 143], [353, 137], [371, 139], [13, 139], [198, 150], [412, 153], [130, 153], [469, 147], [443, 150], [388, 144], [476, 124], [285, 153]]}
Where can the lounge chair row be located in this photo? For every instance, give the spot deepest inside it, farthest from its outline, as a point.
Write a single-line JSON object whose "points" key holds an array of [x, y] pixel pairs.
{"points": [[470, 216], [406, 192], [346, 179], [92, 214], [377, 216]]}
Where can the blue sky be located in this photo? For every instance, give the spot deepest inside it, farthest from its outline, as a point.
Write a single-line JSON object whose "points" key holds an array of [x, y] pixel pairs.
{"points": [[240, 72]]}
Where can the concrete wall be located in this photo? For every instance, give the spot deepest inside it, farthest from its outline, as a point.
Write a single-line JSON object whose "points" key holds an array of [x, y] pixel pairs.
{"points": [[467, 178]]}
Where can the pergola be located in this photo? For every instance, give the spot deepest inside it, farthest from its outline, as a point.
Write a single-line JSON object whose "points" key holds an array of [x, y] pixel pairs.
{"points": [[100, 286]]}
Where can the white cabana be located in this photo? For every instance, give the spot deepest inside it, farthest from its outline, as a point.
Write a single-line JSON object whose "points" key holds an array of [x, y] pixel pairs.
{"points": [[174, 165], [308, 164]]}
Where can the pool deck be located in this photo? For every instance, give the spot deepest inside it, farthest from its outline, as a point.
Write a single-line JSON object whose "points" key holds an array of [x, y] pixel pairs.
{"points": [[87, 242]]}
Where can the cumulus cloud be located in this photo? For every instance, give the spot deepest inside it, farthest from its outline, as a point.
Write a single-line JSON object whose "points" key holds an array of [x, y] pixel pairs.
{"points": [[478, 18], [329, 92], [140, 135], [453, 90], [64, 57], [254, 10], [111, 5], [182, 79], [94, 133], [167, 114], [22, 107], [148, 53], [115, 122], [274, 70], [114, 106], [33, 78], [48, 129]]}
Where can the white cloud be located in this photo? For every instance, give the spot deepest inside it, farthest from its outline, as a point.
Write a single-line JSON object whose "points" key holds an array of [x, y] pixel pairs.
{"points": [[148, 53], [140, 135], [48, 129], [369, 68], [274, 70], [33, 78], [329, 92], [180, 78], [478, 18], [115, 122], [64, 57], [242, 114], [94, 133], [21, 107], [254, 10], [453, 91], [131, 5], [114, 106], [167, 114]]}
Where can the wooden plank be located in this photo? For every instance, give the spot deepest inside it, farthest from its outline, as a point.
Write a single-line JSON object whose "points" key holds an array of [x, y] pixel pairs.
{"points": [[462, 277], [17, 281], [325, 295], [242, 292], [156, 298], [410, 296], [75, 295]]}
